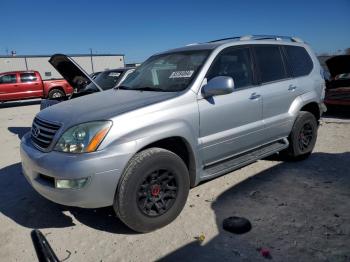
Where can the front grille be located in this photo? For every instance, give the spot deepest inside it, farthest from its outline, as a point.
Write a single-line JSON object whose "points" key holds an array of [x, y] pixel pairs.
{"points": [[43, 132]]}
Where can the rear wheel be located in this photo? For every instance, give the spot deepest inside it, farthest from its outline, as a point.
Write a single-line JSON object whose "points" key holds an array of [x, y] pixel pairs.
{"points": [[56, 93], [303, 137], [153, 190]]}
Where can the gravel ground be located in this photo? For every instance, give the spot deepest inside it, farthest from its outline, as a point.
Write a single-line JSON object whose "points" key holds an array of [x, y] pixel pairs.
{"points": [[300, 211]]}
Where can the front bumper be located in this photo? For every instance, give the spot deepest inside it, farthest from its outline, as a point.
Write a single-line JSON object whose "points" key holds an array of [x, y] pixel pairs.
{"points": [[103, 168]]}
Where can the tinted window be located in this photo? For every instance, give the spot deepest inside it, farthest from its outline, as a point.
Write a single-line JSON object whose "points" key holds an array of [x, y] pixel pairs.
{"points": [[8, 79], [299, 60], [235, 63], [270, 63], [28, 77]]}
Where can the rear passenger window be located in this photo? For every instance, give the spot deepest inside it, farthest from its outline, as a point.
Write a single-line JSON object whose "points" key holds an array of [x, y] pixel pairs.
{"points": [[270, 63], [28, 77], [299, 60], [235, 63]]}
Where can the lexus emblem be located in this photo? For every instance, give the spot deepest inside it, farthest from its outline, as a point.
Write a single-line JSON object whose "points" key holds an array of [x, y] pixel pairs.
{"points": [[35, 131]]}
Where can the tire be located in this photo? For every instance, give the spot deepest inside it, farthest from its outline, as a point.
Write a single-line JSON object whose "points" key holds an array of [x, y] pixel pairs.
{"points": [[139, 188], [56, 93], [303, 137]]}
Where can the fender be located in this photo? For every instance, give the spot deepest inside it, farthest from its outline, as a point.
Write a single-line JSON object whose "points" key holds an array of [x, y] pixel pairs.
{"points": [[144, 136], [302, 100]]}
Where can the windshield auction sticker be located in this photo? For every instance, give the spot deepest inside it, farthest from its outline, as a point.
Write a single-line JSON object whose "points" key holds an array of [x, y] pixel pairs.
{"points": [[181, 74]]}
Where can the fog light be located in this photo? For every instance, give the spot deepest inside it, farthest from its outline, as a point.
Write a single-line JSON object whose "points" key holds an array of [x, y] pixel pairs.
{"points": [[71, 183]]}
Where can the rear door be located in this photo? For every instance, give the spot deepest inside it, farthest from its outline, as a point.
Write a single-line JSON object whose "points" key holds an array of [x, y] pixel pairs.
{"points": [[278, 88], [30, 84], [9, 89], [231, 123], [301, 66]]}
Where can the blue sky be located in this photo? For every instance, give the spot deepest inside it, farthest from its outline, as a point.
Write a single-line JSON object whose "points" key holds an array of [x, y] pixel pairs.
{"points": [[140, 28]]}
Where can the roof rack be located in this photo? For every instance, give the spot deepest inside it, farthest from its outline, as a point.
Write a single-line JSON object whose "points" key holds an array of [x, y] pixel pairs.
{"points": [[224, 39], [272, 37], [261, 37]]}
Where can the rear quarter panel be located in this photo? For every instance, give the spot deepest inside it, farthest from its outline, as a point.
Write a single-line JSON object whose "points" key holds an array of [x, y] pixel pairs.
{"points": [[61, 84]]}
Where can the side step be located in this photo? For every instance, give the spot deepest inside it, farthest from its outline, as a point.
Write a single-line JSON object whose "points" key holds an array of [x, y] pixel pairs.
{"points": [[244, 159]]}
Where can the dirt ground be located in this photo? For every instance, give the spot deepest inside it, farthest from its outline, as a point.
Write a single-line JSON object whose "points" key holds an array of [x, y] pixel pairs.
{"points": [[300, 211]]}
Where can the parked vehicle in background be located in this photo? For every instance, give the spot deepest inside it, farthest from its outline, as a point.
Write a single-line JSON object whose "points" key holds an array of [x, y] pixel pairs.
{"points": [[82, 82], [19, 85], [184, 116], [338, 87], [93, 75]]}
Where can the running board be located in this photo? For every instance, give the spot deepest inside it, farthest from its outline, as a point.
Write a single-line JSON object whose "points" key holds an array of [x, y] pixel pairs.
{"points": [[244, 159]]}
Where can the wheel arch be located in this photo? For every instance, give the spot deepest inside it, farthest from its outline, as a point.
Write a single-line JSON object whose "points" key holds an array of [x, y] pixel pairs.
{"points": [[181, 147], [312, 108]]}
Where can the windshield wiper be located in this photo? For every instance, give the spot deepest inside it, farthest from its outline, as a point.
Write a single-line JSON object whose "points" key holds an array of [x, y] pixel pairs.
{"points": [[148, 88], [143, 88], [123, 87]]}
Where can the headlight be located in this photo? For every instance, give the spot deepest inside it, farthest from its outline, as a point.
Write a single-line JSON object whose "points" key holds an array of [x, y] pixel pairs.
{"points": [[84, 137]]}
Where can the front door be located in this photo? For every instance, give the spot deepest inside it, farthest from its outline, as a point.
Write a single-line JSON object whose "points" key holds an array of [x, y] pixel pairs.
{"points": [[231, 123]]}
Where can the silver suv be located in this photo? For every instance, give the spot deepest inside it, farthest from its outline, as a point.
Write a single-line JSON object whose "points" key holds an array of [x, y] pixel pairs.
{"points": [[184, 116]]}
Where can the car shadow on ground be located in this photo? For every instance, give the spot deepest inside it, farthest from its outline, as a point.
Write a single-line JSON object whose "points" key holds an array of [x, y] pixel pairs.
{"points": [[20, 103], [27, 208], [299, 211], [19, 131]]}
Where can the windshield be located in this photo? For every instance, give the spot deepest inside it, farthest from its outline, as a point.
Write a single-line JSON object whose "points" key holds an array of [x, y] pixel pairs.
{"points": [[106, 80], [171, 72]]}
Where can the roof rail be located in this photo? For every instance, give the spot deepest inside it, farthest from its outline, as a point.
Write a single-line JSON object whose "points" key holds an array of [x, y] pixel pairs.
{"points": [[223, 39], [192, 44], [261, 37], [272, 37]]}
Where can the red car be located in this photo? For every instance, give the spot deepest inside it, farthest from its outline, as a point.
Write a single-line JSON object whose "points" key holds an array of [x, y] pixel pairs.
{"points": [[20, 85], [338, 87]]}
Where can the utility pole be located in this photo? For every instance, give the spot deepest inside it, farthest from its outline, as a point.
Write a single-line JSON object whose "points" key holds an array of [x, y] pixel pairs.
{"points": [[92, 63]]}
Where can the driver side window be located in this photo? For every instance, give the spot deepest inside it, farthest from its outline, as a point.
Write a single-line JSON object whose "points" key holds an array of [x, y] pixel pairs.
{"points": [[235, 63], [8, 79]]}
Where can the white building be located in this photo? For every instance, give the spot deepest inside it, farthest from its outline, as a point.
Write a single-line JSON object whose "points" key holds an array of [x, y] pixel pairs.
{"points": [[94, 63]]}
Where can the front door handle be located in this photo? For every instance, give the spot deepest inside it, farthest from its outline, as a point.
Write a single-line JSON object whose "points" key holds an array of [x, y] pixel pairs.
{"points": [[292, 87], [254, 96]]}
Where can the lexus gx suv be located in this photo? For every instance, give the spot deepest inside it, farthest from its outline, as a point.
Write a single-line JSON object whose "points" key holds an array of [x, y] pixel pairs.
{"points": [[184, 116]]}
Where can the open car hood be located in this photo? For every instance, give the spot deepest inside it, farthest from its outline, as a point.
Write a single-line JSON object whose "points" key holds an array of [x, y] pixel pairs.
{"points": [[72, 72], [338, 65]]}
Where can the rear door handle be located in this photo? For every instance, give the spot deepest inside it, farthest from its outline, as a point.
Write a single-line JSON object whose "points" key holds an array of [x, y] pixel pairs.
{"points": [[292, 87], [254, 96]]}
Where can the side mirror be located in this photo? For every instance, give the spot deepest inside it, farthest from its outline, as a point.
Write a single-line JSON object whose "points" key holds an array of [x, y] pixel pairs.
{"points": [[220, 85]]}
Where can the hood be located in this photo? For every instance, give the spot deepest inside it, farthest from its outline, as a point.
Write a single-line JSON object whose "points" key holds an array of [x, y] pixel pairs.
{"points": [[101, 106], [71, 72], [338, 65]]}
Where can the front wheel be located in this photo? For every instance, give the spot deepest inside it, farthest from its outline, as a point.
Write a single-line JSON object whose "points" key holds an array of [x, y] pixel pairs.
{"points": [[303, 137], [152, 191]]}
